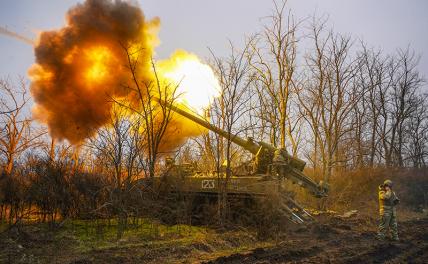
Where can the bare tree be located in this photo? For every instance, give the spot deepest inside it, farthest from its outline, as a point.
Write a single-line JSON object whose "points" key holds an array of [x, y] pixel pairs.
{"points": [[154, 97], [327, 96], [272, 58], [417, 133], [404, 100], [120, 146], [227, 111], [372, 83], [132, 145], [16, 133], [110, 145]]}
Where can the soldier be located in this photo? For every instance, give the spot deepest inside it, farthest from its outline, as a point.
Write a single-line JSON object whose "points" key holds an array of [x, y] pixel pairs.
{"points": [[388, 200]]}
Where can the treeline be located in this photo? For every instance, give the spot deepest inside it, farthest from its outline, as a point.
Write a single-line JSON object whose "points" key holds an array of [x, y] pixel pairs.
{"points": [[324, 96]]}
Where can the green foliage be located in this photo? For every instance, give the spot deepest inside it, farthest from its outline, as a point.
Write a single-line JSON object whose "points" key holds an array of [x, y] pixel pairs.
{"points": [[101, 233], [144, 240]]}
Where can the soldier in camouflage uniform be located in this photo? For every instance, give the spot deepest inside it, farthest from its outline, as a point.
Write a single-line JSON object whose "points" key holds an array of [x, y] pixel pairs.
{"points": [[388, 200]]}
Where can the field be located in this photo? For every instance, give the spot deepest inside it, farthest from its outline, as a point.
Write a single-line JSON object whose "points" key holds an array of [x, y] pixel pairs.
{"points": [[343, 241], [332, 239]]}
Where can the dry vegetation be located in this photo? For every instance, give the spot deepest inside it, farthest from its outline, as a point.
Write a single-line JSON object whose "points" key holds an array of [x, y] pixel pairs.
{"points": [[356, 114]]}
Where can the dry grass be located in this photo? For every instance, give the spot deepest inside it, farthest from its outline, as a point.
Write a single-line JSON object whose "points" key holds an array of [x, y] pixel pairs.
{"points": [[359, 190]]}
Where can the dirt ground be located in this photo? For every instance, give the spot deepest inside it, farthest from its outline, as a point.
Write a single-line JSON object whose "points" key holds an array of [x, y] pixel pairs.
{"points": [[337, 240], [331, 240]]}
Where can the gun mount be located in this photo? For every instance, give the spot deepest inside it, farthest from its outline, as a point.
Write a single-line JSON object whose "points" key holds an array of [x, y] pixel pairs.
{"points": [[268, 160], [272, 168]]}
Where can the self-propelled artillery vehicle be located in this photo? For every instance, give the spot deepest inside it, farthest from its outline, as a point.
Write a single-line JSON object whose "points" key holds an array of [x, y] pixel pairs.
{"points": [[272, 169]]}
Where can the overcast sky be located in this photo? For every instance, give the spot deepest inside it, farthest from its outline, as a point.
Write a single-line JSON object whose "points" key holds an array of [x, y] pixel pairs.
{"points": [[195, 25]]}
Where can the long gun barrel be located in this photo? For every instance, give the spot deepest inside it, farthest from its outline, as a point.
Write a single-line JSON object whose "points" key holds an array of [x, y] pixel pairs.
{"points": [[248, 144], [264, 153]]}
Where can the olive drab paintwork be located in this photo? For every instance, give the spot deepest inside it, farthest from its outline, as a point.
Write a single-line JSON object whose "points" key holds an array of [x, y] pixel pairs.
{"points": [[388, 201], [271, 170]]}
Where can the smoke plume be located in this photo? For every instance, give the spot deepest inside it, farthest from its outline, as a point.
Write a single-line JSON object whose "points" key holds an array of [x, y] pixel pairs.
{"points": [[80, 66], [6, 32]]}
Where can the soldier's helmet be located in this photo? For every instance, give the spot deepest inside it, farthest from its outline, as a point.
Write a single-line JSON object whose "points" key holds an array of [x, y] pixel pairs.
{"points": [[387, 183]]}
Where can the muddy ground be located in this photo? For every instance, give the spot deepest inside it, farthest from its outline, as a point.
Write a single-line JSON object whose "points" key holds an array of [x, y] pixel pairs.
{"points": [[337, 240], [331, 240]]}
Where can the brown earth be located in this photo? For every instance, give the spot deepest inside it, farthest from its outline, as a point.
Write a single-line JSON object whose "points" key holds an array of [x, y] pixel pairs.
{"points": [[331, 240], [336, 240]]}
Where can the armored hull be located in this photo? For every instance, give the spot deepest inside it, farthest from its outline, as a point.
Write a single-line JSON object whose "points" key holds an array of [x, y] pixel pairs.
{"points": [[271, 169], [256, 185]]}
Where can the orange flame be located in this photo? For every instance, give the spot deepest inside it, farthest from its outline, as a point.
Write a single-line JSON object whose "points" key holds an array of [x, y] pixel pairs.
{"points": [[97, 58], [197, 83], [81, 66]]}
